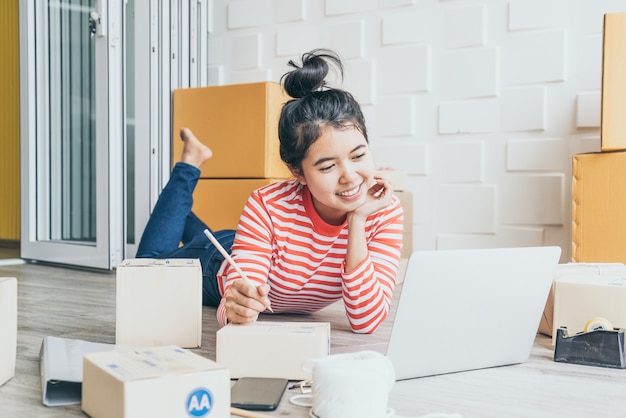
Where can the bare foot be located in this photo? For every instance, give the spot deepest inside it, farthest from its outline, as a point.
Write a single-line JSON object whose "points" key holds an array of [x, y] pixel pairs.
{"points": [[194, 151]]}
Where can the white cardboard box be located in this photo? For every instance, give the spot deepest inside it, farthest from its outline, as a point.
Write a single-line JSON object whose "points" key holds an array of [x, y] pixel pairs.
{"points": [[271, 349], [583, 291], [8, 327], [159, 302], [165, 382]]}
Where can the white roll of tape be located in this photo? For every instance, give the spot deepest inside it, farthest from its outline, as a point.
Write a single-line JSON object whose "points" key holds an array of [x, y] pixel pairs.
{"points": [[598, 323]]}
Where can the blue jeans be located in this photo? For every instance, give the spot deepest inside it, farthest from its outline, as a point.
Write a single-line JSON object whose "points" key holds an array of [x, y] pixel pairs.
{"points": [[172, 222]]}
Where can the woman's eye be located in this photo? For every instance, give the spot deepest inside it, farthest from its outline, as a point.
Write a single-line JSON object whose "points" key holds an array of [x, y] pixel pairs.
{"points": [[359, 156], [326, 168]]}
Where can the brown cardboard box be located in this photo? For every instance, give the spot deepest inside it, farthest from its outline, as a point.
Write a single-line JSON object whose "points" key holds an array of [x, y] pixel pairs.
{"points": [[238, 122], [219, 202], [613, 122], [599, 207]]}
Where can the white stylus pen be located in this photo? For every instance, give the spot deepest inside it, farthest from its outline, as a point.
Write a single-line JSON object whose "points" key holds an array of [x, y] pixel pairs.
{"points": [[234, 265]]}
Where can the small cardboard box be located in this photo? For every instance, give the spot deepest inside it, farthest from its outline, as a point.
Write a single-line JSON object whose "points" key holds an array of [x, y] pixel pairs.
{"points": [[598, 207], [163, 382], [271, 349], [583, 291], [159, 302], [222, 200], [238, 122], [613, 123], [8, 327]]}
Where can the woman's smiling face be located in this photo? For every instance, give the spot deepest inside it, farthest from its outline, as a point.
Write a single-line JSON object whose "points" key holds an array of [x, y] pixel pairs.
{"points": [[338, 170]]}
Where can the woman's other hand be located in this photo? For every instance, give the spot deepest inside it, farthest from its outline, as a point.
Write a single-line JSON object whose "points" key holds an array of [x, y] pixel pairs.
{"points": [[245, 300]]}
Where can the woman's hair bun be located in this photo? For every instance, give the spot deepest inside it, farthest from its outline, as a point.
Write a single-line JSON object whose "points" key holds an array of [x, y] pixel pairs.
{"points": [[311, 75]]}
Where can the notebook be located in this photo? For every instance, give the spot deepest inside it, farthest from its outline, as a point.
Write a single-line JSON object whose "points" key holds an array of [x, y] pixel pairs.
{"points": [[463, 310]]}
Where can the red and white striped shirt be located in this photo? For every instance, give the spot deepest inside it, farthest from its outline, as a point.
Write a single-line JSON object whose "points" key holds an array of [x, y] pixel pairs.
{"points": [[282, 240]]}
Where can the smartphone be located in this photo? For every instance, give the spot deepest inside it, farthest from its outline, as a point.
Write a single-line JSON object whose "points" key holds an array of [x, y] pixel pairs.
{"points": [[257, 393]]}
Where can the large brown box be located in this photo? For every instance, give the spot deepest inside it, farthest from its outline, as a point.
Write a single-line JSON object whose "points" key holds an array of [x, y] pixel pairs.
{"points": [[599, 207], [238, 122], [613, 122], [219, 202]]}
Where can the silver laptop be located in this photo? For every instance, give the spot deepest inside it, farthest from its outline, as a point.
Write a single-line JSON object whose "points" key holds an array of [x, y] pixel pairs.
{"points": [[469, 309]]}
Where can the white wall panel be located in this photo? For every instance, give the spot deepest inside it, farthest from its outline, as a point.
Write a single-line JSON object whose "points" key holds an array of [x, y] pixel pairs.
{"points": [[359, 80], [248, 13], [404, 69], [536, 154], [465, 26], [335, 7], [588, 62], [532, 199], [410, 158], [533, 14], [523, 109], [289, 10], [588, 109], [469, 116], [469, 73], [462, 162], [395, 116], [347, 39], [248, 54], [293, 41], [523, 51], [512, 236], [466, 209], [403, 27], [462, 241]]}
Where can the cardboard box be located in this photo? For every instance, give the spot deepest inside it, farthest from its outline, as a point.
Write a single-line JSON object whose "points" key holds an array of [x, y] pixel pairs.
{"points": [[220, 201], [598, 207], [583, 291], [8, 327], [613, 123], [238, 122], [163, 382], [61, 368], [271, 349], [159, 302]]}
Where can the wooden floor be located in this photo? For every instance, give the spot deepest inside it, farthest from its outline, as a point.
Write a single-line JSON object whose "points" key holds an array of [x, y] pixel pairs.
{"points": [[77, 304]]}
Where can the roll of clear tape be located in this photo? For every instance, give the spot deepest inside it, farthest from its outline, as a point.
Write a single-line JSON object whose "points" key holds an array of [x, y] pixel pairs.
{"points": [[352, 385], [598, 323]]}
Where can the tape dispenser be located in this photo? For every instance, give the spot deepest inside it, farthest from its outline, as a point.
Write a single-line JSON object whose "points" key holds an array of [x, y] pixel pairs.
{"points": [[598, 345]]}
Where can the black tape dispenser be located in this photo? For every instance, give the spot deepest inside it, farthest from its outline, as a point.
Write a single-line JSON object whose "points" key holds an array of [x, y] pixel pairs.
{"points": [[598, 345]]}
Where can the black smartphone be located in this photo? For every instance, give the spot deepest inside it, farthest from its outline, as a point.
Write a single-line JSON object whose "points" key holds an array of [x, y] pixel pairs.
{"points": [[257, 393]]}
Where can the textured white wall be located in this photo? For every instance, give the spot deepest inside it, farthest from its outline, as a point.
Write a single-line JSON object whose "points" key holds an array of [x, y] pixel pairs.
{"points": [[483, 103]]}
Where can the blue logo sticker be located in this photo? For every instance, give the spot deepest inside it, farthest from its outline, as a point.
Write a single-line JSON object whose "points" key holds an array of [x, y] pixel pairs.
{"points": [[199, 402]]}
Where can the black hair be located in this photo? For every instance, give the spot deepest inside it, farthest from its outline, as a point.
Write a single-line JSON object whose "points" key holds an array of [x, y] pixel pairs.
{"points": [[314, 106]]}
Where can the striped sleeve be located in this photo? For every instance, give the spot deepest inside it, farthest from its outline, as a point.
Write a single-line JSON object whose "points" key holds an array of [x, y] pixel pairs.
{"points": [[367, 291]]}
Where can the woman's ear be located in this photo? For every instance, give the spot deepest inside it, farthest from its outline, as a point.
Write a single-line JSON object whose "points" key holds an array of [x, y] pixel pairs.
{"points": [[297, 174]]}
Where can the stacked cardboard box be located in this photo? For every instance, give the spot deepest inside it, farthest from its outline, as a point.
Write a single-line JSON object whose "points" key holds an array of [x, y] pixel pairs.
{"points": [[599, 179], [581, 289], [239, 123]]}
